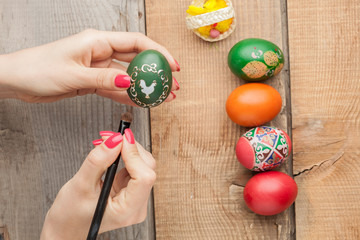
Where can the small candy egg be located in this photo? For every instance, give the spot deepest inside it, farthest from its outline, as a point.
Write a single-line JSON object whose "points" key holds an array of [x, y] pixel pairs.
{"points": [[255, 59], [263, 148], [214, 33], [151, 79]]}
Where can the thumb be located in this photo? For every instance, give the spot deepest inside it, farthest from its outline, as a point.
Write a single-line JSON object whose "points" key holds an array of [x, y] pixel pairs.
{"points": [[106, 79], [98, 160], [142, 176]]}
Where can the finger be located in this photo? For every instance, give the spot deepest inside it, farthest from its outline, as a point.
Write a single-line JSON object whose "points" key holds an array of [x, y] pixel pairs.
{"points": [[171, 97], [124, 57], [121, 181], [113, 79], [108, 63], [98, 160], [101, 64], [175, 85], [122, 177], [146, 156], [142, 176], [105, 134], [97, 142], [137, 42], [117, 65]]}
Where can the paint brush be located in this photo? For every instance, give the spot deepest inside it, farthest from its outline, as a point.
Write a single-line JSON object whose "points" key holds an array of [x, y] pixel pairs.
{"points": [[109, 179]]}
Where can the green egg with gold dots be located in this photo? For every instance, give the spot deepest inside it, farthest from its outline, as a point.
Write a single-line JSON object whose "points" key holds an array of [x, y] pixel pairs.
{"points": [[151, 79], [255, 59]]}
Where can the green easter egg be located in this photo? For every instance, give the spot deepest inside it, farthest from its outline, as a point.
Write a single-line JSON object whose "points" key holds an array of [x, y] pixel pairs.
{"points": [[151, 79], [255, 59]]}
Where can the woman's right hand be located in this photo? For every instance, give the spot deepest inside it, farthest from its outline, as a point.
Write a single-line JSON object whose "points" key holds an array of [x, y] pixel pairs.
{"points": [[72, 211]]}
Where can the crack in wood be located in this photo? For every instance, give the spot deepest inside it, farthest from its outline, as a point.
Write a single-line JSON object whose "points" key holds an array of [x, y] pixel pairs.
{"points": [[318, 146], [334, 160], [282, 230], [237, 184], [341, 140], [279, 227], [137, 235]]}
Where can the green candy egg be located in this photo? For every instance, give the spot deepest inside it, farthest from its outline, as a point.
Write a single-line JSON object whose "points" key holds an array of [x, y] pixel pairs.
{"points": [[255, 59], [151, 79]]}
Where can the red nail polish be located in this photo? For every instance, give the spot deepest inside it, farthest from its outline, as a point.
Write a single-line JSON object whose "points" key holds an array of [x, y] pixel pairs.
{"points": [[129, 136], [106, 133], [97, 142], [177, 66], [176, 83], [122, 81], [173, 94], [114, 140]]}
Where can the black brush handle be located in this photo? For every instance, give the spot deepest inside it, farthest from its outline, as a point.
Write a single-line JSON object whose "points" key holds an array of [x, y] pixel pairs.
{"points": [[105, 191]]}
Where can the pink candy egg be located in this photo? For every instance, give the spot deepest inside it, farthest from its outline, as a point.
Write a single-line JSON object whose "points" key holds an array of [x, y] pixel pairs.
{"points": [[214, 33]]}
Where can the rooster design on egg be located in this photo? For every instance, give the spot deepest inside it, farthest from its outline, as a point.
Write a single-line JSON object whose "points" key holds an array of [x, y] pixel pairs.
{"points": [[147, 89], [151, 79]]}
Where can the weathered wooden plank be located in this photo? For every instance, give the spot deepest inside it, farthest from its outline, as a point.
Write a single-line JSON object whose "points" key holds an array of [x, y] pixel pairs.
{"points": [[325, 89], [198, 193], [43, 145]]}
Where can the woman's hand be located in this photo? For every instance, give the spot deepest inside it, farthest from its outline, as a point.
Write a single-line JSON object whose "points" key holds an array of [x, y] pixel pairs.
{"points": [[72, 211], [76, 65]]}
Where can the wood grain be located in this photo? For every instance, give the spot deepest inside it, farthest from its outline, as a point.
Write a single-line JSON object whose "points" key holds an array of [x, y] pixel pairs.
{"points": [[325, 83], [43, 145], [198, 193]]}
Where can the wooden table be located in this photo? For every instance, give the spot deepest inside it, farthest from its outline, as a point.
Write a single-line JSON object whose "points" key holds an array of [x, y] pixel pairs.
{"points": [[198, 193]]}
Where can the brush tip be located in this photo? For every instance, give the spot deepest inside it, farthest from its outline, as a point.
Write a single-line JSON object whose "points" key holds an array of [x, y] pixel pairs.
{"points": [[127, 117]]}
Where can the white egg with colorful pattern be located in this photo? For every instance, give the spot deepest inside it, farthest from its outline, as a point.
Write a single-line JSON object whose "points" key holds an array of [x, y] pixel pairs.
{"points": [[263, 148]]}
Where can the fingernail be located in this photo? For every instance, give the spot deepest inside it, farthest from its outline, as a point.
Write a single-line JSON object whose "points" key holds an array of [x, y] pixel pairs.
{"points": [[122, 81], [97, 142], [106, 133], [173, 94], [177, 66], [129, 136], [114, 140], [177, 84]]}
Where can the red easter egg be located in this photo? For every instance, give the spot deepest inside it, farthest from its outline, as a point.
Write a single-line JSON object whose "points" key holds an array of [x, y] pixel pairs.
{"points": [[270, 193], [263, 148]]}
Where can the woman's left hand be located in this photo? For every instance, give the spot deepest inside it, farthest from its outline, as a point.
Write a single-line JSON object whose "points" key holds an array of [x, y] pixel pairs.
{"points": [[77, 65]]}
